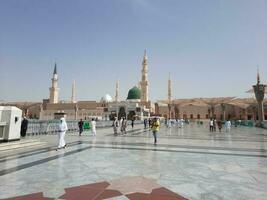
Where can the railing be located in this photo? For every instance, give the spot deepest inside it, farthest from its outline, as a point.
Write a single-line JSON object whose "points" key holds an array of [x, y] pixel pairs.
{"points": [[265, 124], [38, 127], [249, 123]]}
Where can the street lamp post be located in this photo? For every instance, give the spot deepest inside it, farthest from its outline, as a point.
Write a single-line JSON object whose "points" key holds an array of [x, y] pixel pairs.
{"points": [[223, 110], [259, 90], [169, 108]]}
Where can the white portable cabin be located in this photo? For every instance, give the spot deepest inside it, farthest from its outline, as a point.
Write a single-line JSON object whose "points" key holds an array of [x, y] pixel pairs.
{"points": [[10, 123]]}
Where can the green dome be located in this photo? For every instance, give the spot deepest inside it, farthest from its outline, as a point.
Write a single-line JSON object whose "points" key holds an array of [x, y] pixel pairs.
{"points": [[134, 93]]}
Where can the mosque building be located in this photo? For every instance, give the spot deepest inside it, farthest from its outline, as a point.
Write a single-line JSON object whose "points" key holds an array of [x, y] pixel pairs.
{"points": [[220, 108], [52, 108], [131, 108], [136, 106]]}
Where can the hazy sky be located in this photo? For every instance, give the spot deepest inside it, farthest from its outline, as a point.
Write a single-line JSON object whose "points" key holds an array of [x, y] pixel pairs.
{"points": [[210, 47]]}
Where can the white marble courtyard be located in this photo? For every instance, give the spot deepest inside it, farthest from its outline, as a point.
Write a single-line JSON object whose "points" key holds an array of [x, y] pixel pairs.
{"points": [[191, 162]]}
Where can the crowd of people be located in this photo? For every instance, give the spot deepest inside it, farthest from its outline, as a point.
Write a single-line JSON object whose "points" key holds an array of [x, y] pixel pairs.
{"points": [[120, 127], [149, 123], [213, 123], [63, 128], [178, 122]]}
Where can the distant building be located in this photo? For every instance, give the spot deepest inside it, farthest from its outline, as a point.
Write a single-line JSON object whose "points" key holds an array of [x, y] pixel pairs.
{"points": [[72, 111], [131, 108], [31, 109], [220, 108], [136, 106], [206, 108]]}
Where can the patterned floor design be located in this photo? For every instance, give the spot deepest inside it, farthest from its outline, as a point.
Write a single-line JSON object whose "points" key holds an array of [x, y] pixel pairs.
{"points": [[141, 189]]}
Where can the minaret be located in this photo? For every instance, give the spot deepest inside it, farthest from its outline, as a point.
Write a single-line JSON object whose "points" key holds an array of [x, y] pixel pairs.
{"points": [[73, 93], [54, 88], [144, 81], [117, 92], [258, 76], [139, 85], [169, 89]]}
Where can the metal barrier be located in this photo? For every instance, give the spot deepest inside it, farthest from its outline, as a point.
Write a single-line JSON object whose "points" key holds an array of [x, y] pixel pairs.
{"points": [[249, 123], [265, 124], [39, 127]]}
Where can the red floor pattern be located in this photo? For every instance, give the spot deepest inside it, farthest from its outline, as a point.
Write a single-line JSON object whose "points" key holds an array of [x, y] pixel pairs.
{"points": [[98, 191], [35, 196]]}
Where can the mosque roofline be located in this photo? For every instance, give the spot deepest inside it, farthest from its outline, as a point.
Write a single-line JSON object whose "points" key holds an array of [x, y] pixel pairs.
{"points": [[197, 99]]}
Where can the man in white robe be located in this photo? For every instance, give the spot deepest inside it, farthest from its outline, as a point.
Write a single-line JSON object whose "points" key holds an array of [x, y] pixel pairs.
{"points": [[228, 126], [169, 123], [61, 135], [115, 125], [182, 123], [93, 126]]}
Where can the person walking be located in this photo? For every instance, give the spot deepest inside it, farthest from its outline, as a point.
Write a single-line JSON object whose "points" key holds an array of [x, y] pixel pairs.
{"points": [[179, 123], [211, 125], [93, 127], [115, 125], [169, 123], [214, 124], [219, 123], [120, 121], [155, 129], [132, 123], [149, 124], [228, 125], [123, 125], [145, 123], [63, 127], [80, 124], [24, 126], [182, 122]]}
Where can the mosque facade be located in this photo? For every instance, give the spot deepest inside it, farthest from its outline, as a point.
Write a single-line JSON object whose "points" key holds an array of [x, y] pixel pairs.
{"points": [[53, 108], [136, 106], [220, 108], [131, 108]]}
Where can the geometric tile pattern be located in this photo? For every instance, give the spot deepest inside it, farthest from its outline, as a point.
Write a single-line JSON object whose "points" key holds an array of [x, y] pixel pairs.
{"points": [[156, 194], [164, 193], [133, 184], [94, 191], [100, 190], [35, 196]]}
